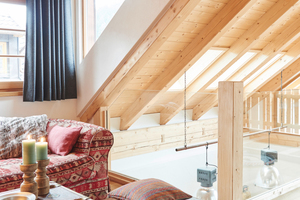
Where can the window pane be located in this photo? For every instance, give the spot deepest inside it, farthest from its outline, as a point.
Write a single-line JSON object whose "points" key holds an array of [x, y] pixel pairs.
{"points": [[98, 14], [105, 10], [11, 68], [12, 43], [12, 16]]}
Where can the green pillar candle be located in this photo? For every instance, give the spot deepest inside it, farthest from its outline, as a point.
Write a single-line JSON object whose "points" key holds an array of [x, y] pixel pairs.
{"points": [[41, 150], [28, 152]]}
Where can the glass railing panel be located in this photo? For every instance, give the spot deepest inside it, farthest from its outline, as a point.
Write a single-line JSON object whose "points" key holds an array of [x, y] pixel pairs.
{"points": [[147, 148], [271, 159]]}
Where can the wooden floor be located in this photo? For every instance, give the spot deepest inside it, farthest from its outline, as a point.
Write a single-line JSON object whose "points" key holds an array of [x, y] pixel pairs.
{"points": [[117, 179], [115, 185]]}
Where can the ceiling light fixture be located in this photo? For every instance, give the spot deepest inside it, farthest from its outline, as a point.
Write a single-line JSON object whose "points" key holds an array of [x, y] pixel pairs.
{"points": [[207, 176], [268, 176]]}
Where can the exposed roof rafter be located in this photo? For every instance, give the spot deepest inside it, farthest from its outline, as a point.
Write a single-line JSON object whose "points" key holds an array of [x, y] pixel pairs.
{"points": [[205, 39], [236, 51], [290, 72], [283, 40], [140, 54], [183, 34], [262, 82]]}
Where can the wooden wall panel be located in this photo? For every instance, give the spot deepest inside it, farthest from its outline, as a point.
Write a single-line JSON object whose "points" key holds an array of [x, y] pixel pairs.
{"points": [[135, 142]]}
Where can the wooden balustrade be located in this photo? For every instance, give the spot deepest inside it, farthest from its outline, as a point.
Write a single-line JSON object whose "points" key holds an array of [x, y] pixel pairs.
{"points": [[266, 110]]}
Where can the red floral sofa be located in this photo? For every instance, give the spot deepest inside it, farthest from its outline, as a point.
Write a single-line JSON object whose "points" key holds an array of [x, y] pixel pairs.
{"points": [[83, 170]]}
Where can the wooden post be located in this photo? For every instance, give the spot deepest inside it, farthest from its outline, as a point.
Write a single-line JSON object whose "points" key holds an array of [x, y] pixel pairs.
{"points": [[230, 144], [273, 107], [296, 109], [102, 118]]}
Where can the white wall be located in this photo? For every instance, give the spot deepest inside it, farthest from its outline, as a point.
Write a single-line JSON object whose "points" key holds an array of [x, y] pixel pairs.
{"points": [[125, 29], [15, 107]]}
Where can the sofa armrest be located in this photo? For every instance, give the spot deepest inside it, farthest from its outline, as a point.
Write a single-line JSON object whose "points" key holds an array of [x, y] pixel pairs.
{"points": [[91, 138], [100, 145]]}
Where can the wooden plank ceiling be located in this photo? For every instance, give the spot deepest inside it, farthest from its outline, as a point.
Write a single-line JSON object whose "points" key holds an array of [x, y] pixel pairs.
{"points": [[267, 31]]}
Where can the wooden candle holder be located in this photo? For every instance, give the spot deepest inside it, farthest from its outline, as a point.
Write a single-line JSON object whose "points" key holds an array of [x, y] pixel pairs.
{"points": [[41, 178], [29, 184]]}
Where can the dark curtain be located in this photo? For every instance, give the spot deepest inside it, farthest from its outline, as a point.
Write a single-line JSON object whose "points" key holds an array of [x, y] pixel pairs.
{"points": [[49, 58]]}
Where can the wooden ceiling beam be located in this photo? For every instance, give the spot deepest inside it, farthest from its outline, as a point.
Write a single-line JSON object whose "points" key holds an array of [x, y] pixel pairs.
{"points": [[205, 105], [261, 83], [294, 83], [150, 42], [290, 72], [279, 43], [242, 45], [205, 39], [236, 51], [283, 40]]}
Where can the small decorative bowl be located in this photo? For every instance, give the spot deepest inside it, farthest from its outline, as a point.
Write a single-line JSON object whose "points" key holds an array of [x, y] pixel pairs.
{"points": [[18, 196]]}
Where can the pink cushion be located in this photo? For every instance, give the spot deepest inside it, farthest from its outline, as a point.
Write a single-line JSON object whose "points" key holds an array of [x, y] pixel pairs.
{"points": [[62, 139]]}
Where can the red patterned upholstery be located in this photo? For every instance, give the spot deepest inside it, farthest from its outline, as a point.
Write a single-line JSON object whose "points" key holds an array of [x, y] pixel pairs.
{"points": [[84, 170]]}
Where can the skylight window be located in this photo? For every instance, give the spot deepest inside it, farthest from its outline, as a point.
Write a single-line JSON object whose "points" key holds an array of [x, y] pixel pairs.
{"points": [[191, 74], [231, 70], [262, 69]]}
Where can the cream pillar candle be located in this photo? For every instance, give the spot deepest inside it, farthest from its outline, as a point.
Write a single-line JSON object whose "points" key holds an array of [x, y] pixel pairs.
{"points": [[42, 150], [28, 151]]}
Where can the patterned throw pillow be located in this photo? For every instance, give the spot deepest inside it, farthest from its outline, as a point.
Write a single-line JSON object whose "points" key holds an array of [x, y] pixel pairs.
{"points": [[150, 189], [15, 129]]}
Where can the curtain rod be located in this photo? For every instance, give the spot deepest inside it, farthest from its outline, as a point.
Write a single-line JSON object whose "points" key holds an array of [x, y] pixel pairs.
{"points": [[216, 140]]}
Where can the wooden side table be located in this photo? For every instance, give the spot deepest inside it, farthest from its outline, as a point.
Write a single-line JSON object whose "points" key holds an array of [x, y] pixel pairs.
{"points": [[57, 192]]}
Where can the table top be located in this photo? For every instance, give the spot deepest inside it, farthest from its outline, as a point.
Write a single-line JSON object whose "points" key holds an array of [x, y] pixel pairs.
{"points": [[57, 192]]}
